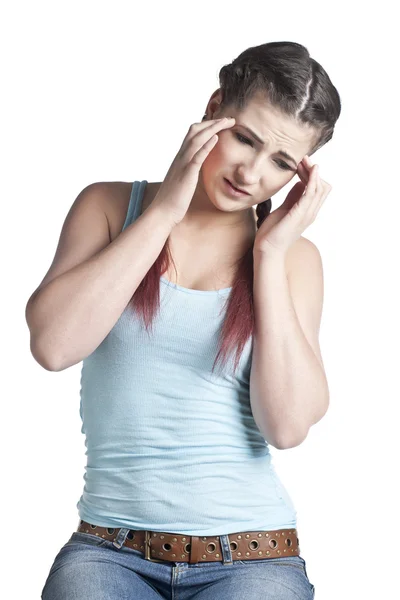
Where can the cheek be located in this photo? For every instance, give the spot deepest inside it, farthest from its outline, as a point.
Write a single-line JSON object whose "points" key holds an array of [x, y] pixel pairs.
{"points": [[212, 164], [220, 156], [226, 148]]}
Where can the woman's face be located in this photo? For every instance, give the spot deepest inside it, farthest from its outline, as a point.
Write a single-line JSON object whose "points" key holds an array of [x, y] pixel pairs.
{"points": [[255, 166]]}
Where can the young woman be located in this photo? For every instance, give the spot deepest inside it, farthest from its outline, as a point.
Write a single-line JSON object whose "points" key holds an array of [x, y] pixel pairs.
{"points": [[189, 374]]}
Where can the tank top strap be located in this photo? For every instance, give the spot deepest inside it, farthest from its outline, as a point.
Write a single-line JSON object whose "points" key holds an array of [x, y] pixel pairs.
{"points": [[135, 202]]}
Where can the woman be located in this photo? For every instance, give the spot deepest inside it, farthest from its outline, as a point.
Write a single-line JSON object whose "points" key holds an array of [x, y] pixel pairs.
{"points": [[180, 492]]}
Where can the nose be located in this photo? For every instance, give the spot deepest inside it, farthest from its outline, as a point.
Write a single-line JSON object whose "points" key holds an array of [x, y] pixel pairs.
{"points": [[249, 173]]}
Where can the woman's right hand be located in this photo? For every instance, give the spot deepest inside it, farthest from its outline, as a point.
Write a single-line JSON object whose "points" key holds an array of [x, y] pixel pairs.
{"points": [[176, 191]]}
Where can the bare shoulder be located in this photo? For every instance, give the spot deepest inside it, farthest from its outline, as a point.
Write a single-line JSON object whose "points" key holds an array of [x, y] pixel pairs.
{"points": [[117, 194], [117, 203], [303, 254]]}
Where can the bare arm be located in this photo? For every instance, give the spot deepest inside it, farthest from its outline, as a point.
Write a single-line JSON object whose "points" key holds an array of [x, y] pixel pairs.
{"points": [[74, 309], [288, 386]]}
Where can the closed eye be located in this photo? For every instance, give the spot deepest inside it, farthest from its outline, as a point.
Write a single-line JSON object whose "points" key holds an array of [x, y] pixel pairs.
{"points": [[244, 140]]}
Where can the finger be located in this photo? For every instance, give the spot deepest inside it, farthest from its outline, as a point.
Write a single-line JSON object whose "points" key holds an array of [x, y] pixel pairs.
{"points": [[313, 195], [320, 203], [321, 192], [312, 184], [302, 173], [199, 134], [206, 128], [213, 127], [216, 123], [321, 185], [307, 162]]}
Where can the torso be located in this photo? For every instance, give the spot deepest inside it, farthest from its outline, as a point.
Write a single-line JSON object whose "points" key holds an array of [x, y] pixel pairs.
{"points": [[208, 268]]}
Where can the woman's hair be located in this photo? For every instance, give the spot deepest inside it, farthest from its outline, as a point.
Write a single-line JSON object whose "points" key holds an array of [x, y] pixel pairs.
{"points": [[299, 87]]}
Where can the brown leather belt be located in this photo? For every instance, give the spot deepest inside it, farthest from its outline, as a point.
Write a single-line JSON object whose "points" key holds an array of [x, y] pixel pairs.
{"points": [[159, 546]]}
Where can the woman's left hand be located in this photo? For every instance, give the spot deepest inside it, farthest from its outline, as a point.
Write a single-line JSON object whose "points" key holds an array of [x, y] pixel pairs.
{"points": [[283, 226]]}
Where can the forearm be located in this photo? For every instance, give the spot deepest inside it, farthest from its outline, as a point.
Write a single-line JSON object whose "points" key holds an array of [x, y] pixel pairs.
{"points": [[287, 382], [72, 315]]}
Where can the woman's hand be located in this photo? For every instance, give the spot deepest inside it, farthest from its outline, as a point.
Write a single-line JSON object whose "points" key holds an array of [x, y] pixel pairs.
{"points": [[176, 191], [283, 226]]}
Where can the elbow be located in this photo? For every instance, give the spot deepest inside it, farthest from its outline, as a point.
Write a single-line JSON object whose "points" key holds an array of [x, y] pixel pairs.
{"points": [[43, 358], [291, 439], [286, 440], [37, 347], [282, 440], [290, 443]]}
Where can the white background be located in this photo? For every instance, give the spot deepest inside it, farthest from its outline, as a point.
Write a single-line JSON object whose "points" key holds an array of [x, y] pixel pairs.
{"points": [[97, 91]]}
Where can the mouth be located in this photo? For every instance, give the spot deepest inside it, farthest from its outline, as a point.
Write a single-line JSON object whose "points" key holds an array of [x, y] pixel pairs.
{"points": [[234, 190]]}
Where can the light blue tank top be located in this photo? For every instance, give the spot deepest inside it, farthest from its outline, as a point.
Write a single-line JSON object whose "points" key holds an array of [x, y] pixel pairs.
{"points": [[172, 446]]}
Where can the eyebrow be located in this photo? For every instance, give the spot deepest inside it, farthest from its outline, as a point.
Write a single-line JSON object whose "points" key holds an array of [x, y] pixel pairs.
{"points": [[281, 152]]}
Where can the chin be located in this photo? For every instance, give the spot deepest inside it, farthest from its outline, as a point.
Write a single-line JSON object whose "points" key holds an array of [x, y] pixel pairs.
{"points": [[221, 201]]}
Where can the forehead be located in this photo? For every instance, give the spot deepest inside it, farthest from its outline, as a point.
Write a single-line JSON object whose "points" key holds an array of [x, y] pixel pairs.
{"points": [[272, 125]]}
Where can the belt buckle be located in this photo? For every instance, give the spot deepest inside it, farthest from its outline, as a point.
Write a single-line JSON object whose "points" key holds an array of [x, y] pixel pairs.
{"points": [[147, 548]]}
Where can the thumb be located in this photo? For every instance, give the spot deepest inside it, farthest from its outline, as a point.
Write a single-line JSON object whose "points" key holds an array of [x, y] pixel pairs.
{"points": [[294, 195]]}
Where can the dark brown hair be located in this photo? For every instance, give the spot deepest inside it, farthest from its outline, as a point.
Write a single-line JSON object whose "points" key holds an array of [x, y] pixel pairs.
{"points": [[299, 87]]}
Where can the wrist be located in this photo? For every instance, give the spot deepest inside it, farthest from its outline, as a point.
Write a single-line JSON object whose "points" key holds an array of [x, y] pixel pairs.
{"points": [[268, 255], [162, 214]]}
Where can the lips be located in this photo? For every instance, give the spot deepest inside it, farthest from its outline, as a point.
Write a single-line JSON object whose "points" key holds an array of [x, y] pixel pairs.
{"points": [[236, 188]]}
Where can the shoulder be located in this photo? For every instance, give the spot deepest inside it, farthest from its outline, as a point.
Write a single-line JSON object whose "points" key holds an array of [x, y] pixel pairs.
{"points": [[117, 195], [114, 197], [303, 255]]}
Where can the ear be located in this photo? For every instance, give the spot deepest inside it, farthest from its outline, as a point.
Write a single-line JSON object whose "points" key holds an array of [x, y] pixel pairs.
{"points": [[214, 103]]}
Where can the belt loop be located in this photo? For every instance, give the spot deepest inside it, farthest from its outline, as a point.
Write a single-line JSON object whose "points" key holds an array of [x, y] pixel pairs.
{"points": [[226, 549], [121, 537]]}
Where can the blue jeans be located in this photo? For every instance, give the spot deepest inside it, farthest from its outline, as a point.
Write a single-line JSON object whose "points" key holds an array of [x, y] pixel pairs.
{"points": [[90, 568]]}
